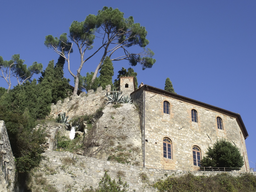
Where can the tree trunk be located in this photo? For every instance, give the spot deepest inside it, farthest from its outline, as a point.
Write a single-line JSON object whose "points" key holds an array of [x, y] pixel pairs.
{"points": [[76, 84]]}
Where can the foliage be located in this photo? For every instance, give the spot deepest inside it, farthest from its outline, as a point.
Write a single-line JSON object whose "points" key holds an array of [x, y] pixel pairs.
{"points": [[113, 29], [127, 99], [82, 34], [16, 68], [108, 185], [223, 154], [106, 73], [79, 121], [52, 77], [2, 91], [85, 82], [221, 183], [46, 90], [125, 73], [26, 142], [123, 34], [117, 97], [62, 118], [168, 86], [65, 144]]}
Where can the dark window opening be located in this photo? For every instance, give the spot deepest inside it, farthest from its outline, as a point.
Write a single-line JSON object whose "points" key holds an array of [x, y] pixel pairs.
{"points": [[166, 107], [194, 115], [126, 85], [219, 123]]}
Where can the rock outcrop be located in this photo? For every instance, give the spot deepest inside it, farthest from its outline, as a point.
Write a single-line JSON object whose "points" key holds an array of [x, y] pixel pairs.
{"points": [[7, 163]]}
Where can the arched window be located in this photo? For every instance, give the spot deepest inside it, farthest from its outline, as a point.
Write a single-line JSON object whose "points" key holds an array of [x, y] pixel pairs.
{"points": [[126, 85], [194, 115], [166, 107], [219, 123], [167, 148], [196, 156]]}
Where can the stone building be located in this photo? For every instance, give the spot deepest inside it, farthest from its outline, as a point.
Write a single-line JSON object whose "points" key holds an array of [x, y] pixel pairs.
{"points": [[127, 85], [177, 131]]}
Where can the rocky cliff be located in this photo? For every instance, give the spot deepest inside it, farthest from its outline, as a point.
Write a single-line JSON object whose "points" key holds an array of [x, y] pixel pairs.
{"points": [[7, 164]]}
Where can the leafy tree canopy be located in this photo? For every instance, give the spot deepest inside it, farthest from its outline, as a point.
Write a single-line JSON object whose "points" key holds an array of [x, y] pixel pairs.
{"points": [[116, 33], [16, 68], [85, 82], [168, 86], [223, 154]]}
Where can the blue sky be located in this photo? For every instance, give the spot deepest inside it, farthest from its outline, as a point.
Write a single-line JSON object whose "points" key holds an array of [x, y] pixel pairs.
{"points": [[206, 48]]}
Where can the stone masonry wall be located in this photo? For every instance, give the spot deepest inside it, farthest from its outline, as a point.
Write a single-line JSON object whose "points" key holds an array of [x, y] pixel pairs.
{"points": [[7, 163], [184, 133], [126, 91], [64, 171], [80, 105]]}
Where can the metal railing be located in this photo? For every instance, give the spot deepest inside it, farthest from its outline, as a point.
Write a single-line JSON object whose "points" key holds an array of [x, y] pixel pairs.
{"points": [[220, 168]]}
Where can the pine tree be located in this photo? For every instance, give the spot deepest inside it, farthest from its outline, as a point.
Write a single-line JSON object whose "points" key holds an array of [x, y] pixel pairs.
{"points": [[168, 86], [106, 73], [125, 73]]}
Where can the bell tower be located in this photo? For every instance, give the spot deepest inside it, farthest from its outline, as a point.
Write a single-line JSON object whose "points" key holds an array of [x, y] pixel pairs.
{"points": [[127, 85]]}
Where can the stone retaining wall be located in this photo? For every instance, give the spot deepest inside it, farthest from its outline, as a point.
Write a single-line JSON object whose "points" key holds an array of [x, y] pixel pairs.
{"points": [[65, 171]]}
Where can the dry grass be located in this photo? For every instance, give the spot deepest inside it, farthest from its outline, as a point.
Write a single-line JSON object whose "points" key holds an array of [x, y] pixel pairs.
{"points": [[68, 161]]}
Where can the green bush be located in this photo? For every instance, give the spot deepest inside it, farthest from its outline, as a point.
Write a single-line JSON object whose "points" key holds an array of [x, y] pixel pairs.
{"points": [[108, 185], [221, 183], [223, 154], [26, 142]]}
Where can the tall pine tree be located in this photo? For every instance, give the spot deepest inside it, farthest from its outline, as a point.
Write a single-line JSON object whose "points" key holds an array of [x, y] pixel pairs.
{"points": [[168, 86], [106, 73]]}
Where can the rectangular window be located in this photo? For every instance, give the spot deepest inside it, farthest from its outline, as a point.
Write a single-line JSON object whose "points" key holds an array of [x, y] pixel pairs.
{"points": [[165, 155], [169, 151], [194, 157], [198, 158]]}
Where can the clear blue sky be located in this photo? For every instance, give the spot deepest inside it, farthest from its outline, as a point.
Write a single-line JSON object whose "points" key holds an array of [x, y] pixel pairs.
{"points": [[206, 48]]}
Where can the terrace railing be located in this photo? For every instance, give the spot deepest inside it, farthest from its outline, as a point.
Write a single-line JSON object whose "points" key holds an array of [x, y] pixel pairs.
{"points": [[219, 168]]}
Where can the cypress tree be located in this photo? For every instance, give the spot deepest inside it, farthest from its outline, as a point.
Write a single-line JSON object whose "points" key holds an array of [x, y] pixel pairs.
{"points": [[60, 86], [168, 86], [45, 88], [106, 73]]}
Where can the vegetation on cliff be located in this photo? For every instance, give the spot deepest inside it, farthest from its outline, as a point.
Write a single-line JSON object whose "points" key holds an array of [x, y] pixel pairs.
{"points": [[221, 183]]}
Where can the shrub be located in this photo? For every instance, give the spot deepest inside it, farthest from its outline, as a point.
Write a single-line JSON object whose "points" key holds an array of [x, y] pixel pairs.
{"points": [[223, 154]]}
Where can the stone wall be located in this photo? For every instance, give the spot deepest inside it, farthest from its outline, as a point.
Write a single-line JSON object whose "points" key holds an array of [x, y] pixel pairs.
{"points": [[184, 133], [80, 105], [7, 163], [64, 171]]}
